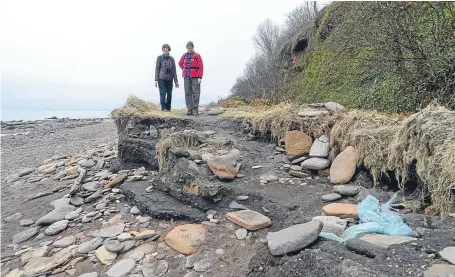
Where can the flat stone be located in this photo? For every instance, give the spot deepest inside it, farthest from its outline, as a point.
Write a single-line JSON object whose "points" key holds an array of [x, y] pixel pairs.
{"points": [[293, 238], [385, 241], [341, 210], [137, 256], [297, 143], [332, 224], [13, 218], [156, 268], [121, 268], [241, 233], [91, 186], [89, 163], [334, 107], [41, 265], [60, 202], [440, 270], [363, 248], [94, 196], [331, 197], [268, 177], [299, 174], [343, 166], [187, 238], [65, 242], [300, 160], [143, 219], [242, 197], [90, 245], [237, 206], [72, 215], [146, 248], [128, 245], [25, 171], [296, 167], [346, 190], [105, 256], [249, 219], [225, 166], [112, 231], [56, 227], [448, 254], [35, 253], [124, 237], [26, 222], [315, 163], [25, 235], [320, 147], [55, 215], [203, 265], [145, 234], [77, 201], [113, 245]]}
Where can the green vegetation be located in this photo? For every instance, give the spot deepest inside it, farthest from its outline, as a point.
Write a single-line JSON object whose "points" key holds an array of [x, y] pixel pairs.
{"points": [[389, 56]]}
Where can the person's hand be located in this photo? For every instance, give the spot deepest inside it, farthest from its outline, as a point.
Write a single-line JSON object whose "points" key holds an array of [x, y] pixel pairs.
{"points": [[156, 84], [176, 85], [199, 80]]}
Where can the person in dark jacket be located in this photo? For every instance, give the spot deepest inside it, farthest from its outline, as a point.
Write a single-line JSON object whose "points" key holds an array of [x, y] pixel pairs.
{"points": [[193, 69], [165, 72]]}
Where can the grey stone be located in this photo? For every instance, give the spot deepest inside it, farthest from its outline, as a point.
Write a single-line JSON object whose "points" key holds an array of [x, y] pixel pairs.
{"points": [[320, 147], [203, 265], [77, 201], [237, 206], [138, 255], [448, 254], [90, 245], [100, 206], [215, 112], [385, 241], [440, 270], [332, 224], [94, 196], [268, 177], [156, 268], [113, 245], [135, 210], [56, 227], [296, 167], [93, 185], [127, 246], [60, 202], [382, 196], [349, 268], [293, 238], [331, 197], [26, 222], [143, 219], [346, 190], [363, 248], [315, 163], [112, 231], [121, 268], [25, 171], [242, 197], [25, 235], [35, 253], [300, 160], [65, 242], [334, 107], [55, 215], [89, 163], [241, 233], [72, 215], [13, 218]]}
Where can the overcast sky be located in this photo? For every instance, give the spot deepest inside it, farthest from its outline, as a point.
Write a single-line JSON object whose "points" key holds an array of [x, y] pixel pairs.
{"points": [[94, 53]]}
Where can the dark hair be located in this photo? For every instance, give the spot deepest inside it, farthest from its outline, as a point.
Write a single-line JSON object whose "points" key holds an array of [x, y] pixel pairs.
{"points": [[190, 44], [166, 46]]}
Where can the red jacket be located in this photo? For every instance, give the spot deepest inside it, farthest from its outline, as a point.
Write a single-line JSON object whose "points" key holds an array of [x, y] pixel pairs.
{"points": [[196, 65]]}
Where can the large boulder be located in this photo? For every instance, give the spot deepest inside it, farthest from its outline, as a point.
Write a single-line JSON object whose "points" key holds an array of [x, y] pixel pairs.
{"points": [[188, 181], [297, 143], [343, 166]]}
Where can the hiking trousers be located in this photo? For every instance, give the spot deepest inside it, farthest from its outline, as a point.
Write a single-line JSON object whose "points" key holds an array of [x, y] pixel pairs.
{"points": [[192, 93], [165, 87]]}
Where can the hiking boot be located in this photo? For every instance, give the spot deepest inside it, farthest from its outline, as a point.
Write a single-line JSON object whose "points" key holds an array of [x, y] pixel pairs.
{"points": [[189, 113]]}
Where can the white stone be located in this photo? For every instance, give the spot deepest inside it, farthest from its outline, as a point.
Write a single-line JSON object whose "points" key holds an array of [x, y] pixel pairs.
{"points": [[320, 147]]}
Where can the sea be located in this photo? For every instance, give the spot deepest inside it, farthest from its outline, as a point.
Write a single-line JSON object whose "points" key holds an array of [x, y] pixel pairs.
{"points": [[10, 114]]}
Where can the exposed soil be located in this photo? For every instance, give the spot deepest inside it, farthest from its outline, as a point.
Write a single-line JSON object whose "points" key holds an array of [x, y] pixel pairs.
{"points": [[286, 204]]}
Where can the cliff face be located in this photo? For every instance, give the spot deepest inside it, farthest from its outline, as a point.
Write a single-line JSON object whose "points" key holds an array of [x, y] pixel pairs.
{"points": [[393, 57]]}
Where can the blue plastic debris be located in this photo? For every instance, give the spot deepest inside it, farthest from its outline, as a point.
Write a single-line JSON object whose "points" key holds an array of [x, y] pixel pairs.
{"points": [[372, 220]]}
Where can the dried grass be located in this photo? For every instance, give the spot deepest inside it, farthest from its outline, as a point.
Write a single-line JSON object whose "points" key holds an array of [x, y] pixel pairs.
{"points": [[370, 133], [427, 139], [183, 139], [135, 106]]}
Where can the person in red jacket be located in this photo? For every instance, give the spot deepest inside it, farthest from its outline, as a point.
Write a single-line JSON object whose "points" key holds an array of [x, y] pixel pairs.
{"points": [[193, 69]]}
